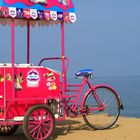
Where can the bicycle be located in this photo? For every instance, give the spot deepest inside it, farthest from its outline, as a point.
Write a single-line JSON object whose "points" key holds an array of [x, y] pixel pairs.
{"points": [[100, 105]]}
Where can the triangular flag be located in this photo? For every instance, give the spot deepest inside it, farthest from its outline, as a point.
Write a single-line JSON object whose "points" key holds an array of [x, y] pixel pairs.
{"points": [[19, 12], [60, 15], [66, 17], [53, 15], [40, 14], [5, 11], [47, 15], [33, 13], [12, 12], [26, 13], [72, 17]]}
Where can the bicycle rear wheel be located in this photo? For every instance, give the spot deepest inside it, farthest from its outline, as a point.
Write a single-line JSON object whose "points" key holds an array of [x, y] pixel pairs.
{"points": [[96, 117]]}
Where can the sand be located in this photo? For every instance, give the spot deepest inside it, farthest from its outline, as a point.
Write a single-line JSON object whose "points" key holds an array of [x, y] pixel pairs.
{"points": [[124, 129], [75, 129]]}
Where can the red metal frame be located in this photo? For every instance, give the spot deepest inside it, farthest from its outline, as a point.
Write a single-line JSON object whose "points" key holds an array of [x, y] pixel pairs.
{"points": [[13, 54], [28, 42], [63, 58]]}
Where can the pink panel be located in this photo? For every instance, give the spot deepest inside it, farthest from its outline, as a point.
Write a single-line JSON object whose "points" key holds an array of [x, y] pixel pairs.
{"points": [[30, 83]]}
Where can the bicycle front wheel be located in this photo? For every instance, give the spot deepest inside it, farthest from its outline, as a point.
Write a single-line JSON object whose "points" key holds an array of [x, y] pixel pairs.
{"points": [[97, 118]]}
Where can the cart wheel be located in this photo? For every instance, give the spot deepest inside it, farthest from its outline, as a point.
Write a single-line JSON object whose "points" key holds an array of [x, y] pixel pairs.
{"points": [[8, 130], [38, 123]]}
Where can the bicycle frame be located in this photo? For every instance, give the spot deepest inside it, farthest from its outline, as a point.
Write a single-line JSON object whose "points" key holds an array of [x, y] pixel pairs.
{"points": [[77, 97]]}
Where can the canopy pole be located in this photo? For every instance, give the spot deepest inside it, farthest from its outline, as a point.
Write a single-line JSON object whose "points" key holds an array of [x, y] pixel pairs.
{"points": [[63, 58], [64, 82], [13, 55], [28, 41]]}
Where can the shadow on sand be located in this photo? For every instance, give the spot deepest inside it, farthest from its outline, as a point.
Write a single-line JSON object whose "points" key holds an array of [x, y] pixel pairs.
{"points": [[62, 128]]}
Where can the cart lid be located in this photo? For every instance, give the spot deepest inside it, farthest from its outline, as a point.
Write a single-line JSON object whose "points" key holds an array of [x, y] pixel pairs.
{"points": [[43, 11]]}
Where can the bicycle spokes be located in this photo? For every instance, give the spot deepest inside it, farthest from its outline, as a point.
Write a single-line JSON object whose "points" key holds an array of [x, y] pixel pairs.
{"points": [[104, 115]]}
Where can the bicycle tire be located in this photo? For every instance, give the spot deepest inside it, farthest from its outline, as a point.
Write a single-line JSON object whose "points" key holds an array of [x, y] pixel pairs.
{"points": [[102, 119]]}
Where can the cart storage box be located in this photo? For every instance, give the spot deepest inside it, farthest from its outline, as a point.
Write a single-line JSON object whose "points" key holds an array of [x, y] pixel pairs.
{"points": [[33, 84]]}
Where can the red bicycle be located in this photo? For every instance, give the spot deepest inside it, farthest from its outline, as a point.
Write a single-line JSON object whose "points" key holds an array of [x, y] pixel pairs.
{"points": [[99, 105]]}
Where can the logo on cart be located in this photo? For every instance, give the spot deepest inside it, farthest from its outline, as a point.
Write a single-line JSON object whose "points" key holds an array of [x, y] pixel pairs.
{"points": [[33, 79], [50, 78], [39, 1], [64, 2]]}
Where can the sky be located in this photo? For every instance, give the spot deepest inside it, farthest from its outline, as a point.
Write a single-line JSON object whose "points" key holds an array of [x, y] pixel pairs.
{"points": [[105, 38]]}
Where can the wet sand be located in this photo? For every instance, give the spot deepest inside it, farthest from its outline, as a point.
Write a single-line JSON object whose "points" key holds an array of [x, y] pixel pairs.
{"points": [[75, 129]]}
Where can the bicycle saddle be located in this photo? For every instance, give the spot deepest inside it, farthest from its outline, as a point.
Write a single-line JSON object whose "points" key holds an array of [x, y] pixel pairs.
{"points": [[84, 73]]}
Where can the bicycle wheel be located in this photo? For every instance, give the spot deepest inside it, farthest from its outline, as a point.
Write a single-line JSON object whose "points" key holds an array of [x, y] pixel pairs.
{"points": [[96, 117], [38, 123]]}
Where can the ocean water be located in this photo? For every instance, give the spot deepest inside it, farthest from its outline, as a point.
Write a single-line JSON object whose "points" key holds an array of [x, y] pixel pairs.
{"points": [[128, 88]]}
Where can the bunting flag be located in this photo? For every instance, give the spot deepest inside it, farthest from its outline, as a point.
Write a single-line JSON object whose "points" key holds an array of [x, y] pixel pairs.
{"points": [[40, 14], [26, 13], [66, 17], [72, 17], [12, 12], [5, 11], [19, 13], [33, 13], [47, 15], [53, 15], [60, 15]]}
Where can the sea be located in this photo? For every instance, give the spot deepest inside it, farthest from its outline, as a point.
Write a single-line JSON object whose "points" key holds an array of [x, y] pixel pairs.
{"points": [[128, 88]]}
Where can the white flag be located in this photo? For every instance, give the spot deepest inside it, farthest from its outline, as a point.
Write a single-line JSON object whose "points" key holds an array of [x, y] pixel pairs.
{"points": [[33, 13], [53, 15], [72, 17], [12, 12]]}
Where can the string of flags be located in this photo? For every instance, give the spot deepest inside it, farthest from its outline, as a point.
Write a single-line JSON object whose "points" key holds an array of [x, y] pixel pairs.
{"points": [[37, 14]]}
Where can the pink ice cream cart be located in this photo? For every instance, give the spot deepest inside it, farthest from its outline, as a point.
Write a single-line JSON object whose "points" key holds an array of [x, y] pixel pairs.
{"points": [[35, 96]]}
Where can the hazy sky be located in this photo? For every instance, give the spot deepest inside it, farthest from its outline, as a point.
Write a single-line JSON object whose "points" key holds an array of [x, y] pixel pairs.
{"points": [[105, 37]]}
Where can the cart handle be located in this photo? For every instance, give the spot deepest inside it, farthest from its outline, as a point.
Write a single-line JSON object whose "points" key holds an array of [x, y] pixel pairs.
{"points": [[55, 58]]}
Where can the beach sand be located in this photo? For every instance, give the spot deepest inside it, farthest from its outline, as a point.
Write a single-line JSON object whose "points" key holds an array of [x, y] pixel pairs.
{"points": [[124, 129], [75, 129]]}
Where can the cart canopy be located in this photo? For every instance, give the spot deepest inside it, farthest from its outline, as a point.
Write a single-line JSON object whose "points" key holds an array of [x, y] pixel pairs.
{"points": [[40, 11]]}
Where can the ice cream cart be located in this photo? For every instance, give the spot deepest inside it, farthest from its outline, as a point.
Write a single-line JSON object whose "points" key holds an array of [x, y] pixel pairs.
{"points": [[35, 96]]}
